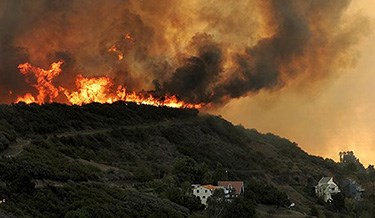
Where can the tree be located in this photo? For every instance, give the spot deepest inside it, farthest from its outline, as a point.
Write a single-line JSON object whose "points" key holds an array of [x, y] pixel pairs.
{"points": [[216, 204], [350, 161], [144, 173], [187, 169], [350, 205], [240, 207], [220, 174], [219, 206], [314, 211], [267, 194], [21, 184], [338, 201], [371, 172], [4, 141], [189, 201]]}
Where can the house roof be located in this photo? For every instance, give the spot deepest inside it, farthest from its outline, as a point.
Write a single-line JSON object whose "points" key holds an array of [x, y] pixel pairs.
{"points": [[324, 186], [325, 179], [210, 187], [237, 185], [327, 187]]}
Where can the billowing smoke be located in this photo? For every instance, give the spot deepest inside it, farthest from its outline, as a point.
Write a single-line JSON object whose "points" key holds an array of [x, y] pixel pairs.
{"points": [[201, 51]]}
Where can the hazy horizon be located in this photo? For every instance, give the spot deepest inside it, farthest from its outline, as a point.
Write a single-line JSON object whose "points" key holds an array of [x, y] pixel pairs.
{"points": [[337, 116]]}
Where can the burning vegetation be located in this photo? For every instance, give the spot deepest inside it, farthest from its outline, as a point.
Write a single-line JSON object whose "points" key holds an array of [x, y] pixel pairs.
{"points": [[88, 89], [172, 53]]}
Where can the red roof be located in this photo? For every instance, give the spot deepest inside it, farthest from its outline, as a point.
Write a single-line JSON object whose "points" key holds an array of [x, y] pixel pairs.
{"points": [[237, 185], [210, 187]]}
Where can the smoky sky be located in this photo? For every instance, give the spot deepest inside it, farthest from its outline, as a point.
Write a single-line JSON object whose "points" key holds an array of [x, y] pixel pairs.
{"points": [[201, 51]]}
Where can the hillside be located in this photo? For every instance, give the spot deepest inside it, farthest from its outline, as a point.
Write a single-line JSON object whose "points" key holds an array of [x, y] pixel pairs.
{"points": [[128, 160]]}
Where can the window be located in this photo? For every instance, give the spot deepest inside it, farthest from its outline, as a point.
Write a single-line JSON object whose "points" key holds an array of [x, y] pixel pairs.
{"points": [[197, 191], [204, 196], [205, 191]]}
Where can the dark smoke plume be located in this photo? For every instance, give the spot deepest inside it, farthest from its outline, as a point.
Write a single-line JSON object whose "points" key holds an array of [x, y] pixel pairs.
{"points": [[305, 40], [201, 51]]}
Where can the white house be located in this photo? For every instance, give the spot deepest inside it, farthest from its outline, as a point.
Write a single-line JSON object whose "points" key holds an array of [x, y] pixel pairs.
{"points": [[205, 191], [325, 188], [193, 186]]}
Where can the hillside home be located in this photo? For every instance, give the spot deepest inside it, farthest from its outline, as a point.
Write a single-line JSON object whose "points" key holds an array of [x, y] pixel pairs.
{"points": [[352, 189], [204, 192], [193, 186], [325, 188], [234, 188]]}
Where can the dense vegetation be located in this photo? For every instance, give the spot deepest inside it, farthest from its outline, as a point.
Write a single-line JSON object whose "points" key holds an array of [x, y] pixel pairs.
{"points": [[128, 160]]}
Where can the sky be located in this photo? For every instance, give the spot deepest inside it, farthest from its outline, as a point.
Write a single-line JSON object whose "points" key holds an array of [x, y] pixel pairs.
{"points": [[337, 116]]}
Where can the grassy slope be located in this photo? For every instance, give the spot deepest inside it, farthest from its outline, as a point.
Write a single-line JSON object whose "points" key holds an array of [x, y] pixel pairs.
{"points": [[121, 151]]}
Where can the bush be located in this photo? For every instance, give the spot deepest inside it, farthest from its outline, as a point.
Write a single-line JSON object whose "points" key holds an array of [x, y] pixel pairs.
{"points": [[238, 207], [22, 183], [314, 211], [187, 169], [267, 194], [4, 141], [189, 201]]}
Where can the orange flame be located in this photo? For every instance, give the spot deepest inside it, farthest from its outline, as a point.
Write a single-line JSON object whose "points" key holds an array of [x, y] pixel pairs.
{"points": [[169, 101], [94, 89], [128, 37], [27, 98], [114, 49], [101, 90], [46, 90], [90, 89]]}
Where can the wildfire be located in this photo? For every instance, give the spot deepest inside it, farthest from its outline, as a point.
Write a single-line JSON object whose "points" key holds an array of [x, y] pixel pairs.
{"points": [[46, 90], [114, 49], [89, 89], [94, 89], [128, 37], [27, 98], [101, 90]]}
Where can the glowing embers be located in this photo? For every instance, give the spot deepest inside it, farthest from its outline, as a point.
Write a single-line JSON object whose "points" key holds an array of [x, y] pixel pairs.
{"points": [[114, 49], [125, 43]]}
